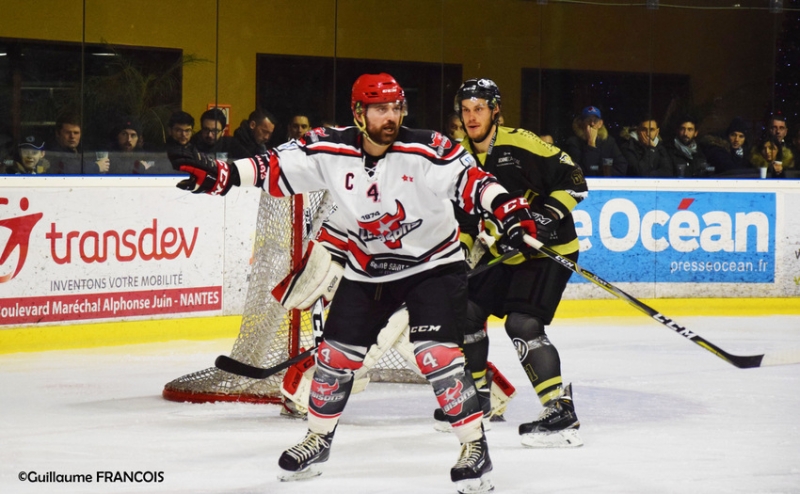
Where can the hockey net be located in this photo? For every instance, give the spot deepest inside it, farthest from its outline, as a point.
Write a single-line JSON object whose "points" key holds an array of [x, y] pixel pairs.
{"points": [[269, 335]]}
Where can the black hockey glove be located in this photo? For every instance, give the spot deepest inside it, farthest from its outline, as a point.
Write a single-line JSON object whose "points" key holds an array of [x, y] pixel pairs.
{"points": [[206, 175], [546, 227], [514, 215]]}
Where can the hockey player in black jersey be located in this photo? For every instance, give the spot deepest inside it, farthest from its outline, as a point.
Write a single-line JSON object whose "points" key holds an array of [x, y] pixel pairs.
{"points": [[527, 288], [393, 187]]}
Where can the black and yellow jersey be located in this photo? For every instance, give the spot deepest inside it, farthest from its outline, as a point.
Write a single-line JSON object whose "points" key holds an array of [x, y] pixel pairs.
{"points": [[542, 173]]}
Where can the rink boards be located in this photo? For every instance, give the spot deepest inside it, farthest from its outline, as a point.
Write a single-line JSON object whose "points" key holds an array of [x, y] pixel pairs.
{"points": [[95, 261]]}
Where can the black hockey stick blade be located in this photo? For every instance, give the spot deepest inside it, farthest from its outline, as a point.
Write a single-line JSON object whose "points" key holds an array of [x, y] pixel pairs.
{"points": [[233, 366], [740, 361]]}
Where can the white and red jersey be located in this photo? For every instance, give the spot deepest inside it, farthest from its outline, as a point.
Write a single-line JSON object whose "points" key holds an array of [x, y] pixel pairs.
{"points": [[393, 222]]}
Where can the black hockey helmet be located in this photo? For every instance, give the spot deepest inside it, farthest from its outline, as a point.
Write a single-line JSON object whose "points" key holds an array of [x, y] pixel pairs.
{"points": [[478, 88]]}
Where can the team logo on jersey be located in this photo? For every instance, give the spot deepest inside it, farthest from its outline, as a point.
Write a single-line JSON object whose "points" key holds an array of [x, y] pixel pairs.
{"points": [[314, 134], [389, 228], [454, 399], [440, 143], [323, 393]]}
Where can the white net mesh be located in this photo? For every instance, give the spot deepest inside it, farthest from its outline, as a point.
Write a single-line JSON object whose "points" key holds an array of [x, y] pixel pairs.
{"points": [[269, 335]]}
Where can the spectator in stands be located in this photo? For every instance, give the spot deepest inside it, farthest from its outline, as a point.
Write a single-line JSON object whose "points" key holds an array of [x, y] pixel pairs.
{"points": [[776, 126], [771, 154], [210, 140], [65, 154], [688, 159], [298, 126], [455, 129], [254, 133], [729, 154], [179, 131], [127, 151], [30, 158], [592, 148], [644, 152]]}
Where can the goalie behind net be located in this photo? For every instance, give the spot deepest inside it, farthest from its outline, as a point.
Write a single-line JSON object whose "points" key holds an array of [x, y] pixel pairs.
{"points": [[269, 334]]}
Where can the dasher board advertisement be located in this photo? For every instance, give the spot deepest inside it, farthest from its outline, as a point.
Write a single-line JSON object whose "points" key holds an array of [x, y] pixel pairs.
{"points": [[92, 253], [678, 237]]}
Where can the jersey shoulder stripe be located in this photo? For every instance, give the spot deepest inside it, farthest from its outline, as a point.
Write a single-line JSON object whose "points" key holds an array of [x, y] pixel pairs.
{"points": [[427, 143]]}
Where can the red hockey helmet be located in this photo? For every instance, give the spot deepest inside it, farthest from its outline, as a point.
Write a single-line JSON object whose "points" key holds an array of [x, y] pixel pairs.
{"points": [[375, 88]]}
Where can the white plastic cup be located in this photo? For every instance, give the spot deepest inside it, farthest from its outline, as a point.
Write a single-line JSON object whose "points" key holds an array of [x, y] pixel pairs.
{"points": [[762, 172], [101, 155], [222, 156]]}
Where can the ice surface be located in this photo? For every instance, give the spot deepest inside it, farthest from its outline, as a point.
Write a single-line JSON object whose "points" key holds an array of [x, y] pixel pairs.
{"points": [[659, 415]]}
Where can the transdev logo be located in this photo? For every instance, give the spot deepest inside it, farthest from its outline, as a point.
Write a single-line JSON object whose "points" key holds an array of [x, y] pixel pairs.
{"points": [[18, 236], [701, 237]]}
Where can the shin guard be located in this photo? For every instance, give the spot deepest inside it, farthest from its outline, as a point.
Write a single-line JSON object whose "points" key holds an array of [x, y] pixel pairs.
{"points": [[443, 366], [332, 383]]}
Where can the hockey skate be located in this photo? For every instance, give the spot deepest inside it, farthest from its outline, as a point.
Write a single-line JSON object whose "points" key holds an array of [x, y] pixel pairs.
{"points": [[471, 471], [556, 427], [302, 460]]}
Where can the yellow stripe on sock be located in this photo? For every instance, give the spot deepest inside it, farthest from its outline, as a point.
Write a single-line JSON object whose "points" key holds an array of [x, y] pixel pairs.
{"points": [[556, 381]]}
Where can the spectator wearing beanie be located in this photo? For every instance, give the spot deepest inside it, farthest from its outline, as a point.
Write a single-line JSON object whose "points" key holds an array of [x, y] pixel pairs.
{"points": [[729, 154]]}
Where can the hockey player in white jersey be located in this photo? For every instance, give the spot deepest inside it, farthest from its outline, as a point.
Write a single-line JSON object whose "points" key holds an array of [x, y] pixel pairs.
{"points": [[394, 186]]}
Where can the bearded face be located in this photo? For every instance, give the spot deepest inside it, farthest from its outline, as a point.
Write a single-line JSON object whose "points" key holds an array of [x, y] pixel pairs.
{"points": [[383, 122]]}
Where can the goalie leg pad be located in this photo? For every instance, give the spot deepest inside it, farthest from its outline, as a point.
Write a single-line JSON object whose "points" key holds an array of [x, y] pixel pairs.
{"points": [[296, 387], [316, 276], [501, 391]]}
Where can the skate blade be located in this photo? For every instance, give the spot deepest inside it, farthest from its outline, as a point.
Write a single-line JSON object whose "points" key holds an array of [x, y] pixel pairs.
{"points": [[445, 426], [475, 486], [309, 472], [568, 438]]}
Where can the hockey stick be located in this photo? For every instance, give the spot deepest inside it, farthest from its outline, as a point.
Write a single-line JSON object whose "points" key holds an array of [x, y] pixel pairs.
{"points": [[740, 361], [234, 366]]}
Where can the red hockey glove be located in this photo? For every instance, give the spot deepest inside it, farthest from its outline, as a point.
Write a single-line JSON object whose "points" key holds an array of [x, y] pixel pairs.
{"points": [[206, 175], [515, 216]]}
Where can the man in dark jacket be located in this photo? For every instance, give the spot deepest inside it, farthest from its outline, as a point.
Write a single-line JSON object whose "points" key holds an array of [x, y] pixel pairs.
{"points": [[179, 131], [210, 140], [65, 153], [645, 152], [254, 133], [592, 148], [729, 154], [688, 159]]}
